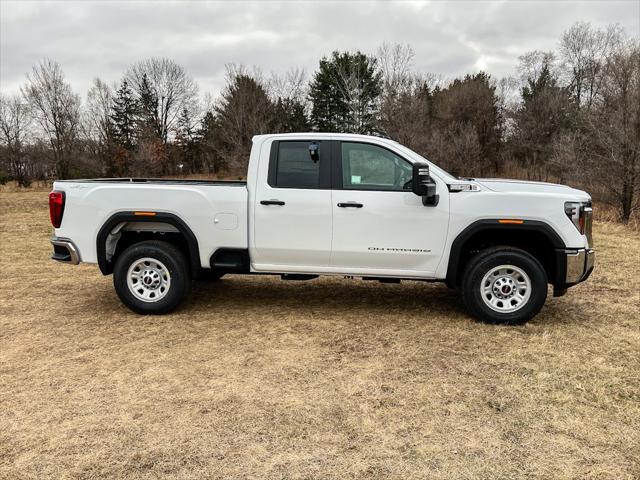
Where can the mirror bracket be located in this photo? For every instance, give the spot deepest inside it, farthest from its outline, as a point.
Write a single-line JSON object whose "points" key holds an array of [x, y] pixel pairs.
{"points": [[431, 201]]}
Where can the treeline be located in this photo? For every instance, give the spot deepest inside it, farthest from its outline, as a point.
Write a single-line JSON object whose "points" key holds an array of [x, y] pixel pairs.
{"points": [[570, 115]]}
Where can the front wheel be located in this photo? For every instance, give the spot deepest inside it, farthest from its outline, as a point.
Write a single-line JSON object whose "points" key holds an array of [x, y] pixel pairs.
{"points": [[504, 285], [152, 277]]}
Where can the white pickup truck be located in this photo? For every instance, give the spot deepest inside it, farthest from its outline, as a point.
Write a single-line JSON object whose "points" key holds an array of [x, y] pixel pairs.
{"points": [[330, 204]]}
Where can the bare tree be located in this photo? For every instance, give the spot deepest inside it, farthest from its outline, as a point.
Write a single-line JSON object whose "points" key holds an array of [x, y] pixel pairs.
{"points": [[99, 126], [533, 63], [583, 53], [407, 116], [173, 89], [395, 63], [98, 111], [358, 82], [614, 131], [292, 85], [57, 110], [404, 106], [15, 120]]}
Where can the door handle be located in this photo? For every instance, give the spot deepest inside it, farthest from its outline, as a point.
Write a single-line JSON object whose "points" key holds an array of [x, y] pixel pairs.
{"points": [[350, 205], [271, 202]]}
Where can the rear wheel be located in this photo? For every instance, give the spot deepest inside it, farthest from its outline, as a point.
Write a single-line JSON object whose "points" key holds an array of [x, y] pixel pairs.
{"points": [[504, 285], [152, 277]]}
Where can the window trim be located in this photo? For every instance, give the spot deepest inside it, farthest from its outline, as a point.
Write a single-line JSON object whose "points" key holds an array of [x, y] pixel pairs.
{"points": [[337, 167], [324, 170]]}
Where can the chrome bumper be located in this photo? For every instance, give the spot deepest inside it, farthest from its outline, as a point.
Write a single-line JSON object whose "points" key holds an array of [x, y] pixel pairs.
{"points": [[580, 264], [64, 251]]}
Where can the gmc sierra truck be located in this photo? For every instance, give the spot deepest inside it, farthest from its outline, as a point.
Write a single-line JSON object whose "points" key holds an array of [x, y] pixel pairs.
{"points": [[330, 204]]}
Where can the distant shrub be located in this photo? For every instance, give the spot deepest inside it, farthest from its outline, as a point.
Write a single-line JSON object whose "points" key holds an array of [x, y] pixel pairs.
{"points": [[24, 182]]}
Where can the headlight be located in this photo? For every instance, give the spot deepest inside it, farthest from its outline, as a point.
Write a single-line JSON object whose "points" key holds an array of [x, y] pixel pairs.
{"points": [[577, 213]]}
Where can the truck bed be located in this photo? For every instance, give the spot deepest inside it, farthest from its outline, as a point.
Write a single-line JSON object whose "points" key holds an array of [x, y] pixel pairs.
{"points": [[214, 210]]}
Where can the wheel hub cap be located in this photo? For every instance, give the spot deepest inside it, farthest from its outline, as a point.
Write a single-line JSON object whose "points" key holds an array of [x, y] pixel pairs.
{"points": [[148, 279], [505, 288]]}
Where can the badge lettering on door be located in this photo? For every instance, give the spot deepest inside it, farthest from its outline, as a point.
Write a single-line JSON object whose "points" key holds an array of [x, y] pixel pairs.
{"points": [[396, 250]]}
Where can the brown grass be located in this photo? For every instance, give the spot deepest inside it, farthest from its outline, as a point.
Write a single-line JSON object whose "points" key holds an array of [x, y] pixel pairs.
{"points": [[259, 378]]}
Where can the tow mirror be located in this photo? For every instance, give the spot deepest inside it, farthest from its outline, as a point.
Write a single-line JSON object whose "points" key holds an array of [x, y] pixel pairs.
{"points": [[422, 185], [314, 152]]}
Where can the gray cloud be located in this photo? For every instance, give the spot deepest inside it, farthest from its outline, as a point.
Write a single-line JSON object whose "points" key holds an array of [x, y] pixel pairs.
{"points": [[102, 38]]}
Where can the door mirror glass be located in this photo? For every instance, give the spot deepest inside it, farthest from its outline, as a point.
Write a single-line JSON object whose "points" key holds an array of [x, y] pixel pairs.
{"points": [[422, 185], [421, 179]]}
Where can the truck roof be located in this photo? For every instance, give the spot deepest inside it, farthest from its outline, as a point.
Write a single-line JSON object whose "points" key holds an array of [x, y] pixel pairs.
{"points": [[352, 136]]}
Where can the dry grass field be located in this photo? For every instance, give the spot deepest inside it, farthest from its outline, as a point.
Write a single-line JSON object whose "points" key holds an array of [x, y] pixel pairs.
{"points": [[332, 378]]}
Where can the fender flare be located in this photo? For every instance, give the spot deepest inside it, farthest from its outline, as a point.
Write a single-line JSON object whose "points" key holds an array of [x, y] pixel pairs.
{"points": [[106, 267], [493, 224]]}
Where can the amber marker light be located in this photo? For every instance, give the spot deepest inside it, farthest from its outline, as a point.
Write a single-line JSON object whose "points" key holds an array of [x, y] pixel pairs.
{"points": [[144, 214], [511, 222]]}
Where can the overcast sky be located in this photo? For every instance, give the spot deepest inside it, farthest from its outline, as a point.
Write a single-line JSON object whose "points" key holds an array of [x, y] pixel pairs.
{"points": [[102, 38]]}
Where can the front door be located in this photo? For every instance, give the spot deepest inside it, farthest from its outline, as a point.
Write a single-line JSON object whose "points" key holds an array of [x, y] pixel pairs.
{"points": [[292, 214], [379, 225]]}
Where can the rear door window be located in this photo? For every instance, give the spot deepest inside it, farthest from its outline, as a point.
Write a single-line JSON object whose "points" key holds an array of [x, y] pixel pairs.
{"points": [[293, 166]]}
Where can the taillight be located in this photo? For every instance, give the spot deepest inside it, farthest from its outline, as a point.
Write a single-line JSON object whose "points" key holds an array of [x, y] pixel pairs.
{"points": [[56, 208]]}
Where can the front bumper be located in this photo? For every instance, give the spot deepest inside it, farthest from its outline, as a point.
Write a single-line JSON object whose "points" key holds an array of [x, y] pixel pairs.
{"points": [[574, 266], [65, 251], [579, 265]]}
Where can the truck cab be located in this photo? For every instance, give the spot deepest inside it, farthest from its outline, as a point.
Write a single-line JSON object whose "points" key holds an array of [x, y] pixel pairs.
{"points": [[350, 211], [331, 204]]}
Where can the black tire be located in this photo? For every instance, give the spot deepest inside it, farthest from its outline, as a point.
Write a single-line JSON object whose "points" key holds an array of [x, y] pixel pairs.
{"points": [[169, 257], [488, 260]]}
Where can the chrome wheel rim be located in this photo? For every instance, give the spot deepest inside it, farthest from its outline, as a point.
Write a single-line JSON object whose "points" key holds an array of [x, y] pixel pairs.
{"points": [[148, 279], [505, 289]]}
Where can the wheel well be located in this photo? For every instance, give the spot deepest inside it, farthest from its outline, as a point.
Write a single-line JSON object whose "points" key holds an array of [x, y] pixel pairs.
{"points": [[131, 237], [537, 241], [125, 229]]}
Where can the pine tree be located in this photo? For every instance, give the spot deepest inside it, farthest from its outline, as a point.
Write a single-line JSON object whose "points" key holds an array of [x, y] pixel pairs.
{"points": [[345, 94], [153, 155], [187, 141], [149, 122], [125, 112], [124, 117], [289, 116], [206, 135], [244, 110]]}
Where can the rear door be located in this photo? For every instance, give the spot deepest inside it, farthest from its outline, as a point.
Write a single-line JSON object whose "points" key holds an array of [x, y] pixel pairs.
{"points": [[379, 225], [292, 214]]}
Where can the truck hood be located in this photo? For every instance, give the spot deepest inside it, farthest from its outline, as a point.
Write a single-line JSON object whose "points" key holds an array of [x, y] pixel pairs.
{"points": [[522, 186]]}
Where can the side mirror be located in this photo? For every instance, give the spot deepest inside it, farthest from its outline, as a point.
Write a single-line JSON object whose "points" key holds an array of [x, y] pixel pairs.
{"points": [[422, 185], [314, 152]]}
